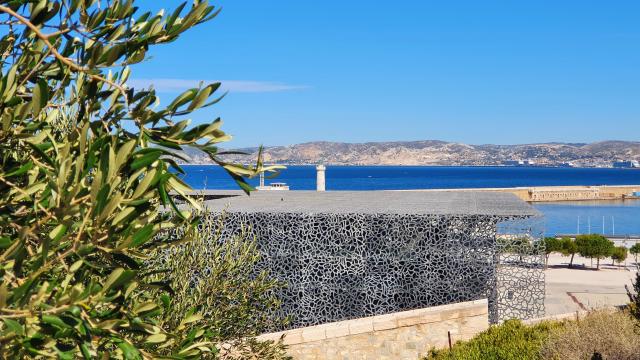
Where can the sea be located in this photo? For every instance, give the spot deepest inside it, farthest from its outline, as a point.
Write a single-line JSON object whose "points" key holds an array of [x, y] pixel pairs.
{"points": [[608, 217]]}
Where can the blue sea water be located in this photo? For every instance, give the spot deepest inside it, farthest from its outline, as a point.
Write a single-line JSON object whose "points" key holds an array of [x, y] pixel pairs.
{"points": [[600, 217], [561, 217], [421, 177]]}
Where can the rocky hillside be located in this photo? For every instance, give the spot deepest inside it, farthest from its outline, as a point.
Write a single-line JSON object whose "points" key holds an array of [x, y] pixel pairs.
{"points": [[434, 152]]}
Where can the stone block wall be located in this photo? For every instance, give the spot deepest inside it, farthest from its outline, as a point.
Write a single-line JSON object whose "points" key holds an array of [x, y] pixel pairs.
{"points": [[400, 335]]}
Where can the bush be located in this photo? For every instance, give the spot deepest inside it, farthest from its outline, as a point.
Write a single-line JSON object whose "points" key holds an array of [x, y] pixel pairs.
{"points": [[605, 334], [508, 341], [219, 279], [602, 334]]}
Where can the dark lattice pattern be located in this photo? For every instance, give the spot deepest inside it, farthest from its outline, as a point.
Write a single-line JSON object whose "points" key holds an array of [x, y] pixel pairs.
{"points": [[343, 266]]}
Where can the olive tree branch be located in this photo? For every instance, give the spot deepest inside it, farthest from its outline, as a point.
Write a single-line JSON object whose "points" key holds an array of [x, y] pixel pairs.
{"points": [[72, 65]]}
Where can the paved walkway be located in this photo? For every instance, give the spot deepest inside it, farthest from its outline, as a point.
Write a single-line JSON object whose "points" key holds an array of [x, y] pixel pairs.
{"points": [[582, 287]]}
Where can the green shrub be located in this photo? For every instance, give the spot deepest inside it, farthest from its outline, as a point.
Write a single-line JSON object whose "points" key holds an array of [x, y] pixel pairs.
{"points": [[508, 341], [605, 334], [219, 279]]}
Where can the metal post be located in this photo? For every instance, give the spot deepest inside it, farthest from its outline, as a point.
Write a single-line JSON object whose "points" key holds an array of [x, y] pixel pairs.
{"points": [[613, 225]]}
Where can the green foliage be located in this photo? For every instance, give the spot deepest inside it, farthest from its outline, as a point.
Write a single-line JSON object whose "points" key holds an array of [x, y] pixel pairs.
{"points": [[619, 254], [218, 278], [568, 247], [635, 250], [84, 172], [634, 296], [611, 334], [519, 246], [508, 341], [551, 245], [594, 246]]}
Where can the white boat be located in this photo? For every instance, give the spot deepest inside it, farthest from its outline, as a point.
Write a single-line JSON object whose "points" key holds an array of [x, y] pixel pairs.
{"points": [[279, 186]]}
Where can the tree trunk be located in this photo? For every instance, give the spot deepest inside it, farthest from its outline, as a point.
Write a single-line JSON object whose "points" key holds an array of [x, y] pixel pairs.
{"points": [[571, 261], [598, 264]]}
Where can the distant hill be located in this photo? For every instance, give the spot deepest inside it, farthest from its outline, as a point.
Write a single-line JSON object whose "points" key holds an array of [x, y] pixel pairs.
{"points": [[435, 152]]}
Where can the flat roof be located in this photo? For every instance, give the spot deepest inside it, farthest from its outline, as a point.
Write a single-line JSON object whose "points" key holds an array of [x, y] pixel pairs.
{"points": [[370, 202]]}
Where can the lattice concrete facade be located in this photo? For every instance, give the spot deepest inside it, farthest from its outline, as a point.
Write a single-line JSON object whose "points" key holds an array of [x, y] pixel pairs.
{"points": [[350, 255]]}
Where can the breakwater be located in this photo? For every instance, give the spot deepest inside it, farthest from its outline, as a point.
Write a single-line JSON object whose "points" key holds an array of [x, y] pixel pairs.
{"points": [[568, 193]]}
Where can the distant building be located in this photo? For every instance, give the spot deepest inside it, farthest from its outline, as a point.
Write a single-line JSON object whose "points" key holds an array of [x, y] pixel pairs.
{"points": [[519, 163], [272, 186], [566, 164], [626, 164]]}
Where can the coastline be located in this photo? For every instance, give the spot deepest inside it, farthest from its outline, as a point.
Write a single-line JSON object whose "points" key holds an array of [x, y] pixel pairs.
{"points": [[430, 166]]}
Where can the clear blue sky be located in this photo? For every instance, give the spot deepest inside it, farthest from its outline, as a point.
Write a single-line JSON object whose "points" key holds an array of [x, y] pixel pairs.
{"points": [[470, 71]]}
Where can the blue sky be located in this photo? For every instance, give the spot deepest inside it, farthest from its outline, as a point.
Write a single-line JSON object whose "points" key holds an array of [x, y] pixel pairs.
{"points": [[477, 72]]}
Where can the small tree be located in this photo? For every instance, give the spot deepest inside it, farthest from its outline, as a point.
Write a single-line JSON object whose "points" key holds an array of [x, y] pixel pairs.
{"points": [[619, 254], [569, 247], [583, 244], [594, 246], [635, 250], [551, 245]]}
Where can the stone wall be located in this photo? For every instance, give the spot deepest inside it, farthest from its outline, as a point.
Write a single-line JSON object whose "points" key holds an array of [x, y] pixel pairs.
{"points": [[401, 335]]}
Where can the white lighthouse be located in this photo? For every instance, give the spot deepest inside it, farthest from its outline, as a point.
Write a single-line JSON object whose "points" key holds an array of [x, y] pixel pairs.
{"points": [[320, 181]]}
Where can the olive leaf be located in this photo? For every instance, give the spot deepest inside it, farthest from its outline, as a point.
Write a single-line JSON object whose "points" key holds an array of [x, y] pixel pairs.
{"points": [[88, 175]]}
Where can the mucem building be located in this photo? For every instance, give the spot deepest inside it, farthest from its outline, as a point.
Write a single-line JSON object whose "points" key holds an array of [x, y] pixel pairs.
{"points": [[353, 254]]}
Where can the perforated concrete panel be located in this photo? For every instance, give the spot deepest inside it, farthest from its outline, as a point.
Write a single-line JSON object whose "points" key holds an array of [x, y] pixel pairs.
{"points": [[347, 255]]}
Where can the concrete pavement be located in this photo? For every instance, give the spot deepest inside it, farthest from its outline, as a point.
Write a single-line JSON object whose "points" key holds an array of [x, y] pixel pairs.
{"points": [[583, 287]]}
